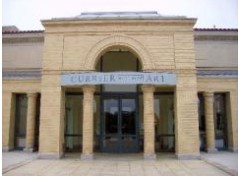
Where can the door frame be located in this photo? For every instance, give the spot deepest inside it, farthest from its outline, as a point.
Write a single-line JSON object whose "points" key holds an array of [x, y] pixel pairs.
{"points": [[119, 96]]}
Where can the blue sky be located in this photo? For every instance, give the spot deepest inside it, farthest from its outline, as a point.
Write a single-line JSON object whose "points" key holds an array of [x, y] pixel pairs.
{"points": [[26, 14]]}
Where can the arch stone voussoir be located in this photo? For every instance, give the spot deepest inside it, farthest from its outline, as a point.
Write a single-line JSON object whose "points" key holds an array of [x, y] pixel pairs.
{"points": [[118, 41]]}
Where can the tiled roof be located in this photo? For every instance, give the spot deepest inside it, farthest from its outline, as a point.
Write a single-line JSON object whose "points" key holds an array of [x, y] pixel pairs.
{"points": [[216, 29], [24, 31]]}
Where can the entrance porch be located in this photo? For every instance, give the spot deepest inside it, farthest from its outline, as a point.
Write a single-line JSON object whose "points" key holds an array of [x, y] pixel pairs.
{"points": [[121, 109], [118, 121], [15, 163]]}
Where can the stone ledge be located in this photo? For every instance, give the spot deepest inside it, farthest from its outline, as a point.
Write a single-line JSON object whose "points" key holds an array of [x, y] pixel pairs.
{"points": [[188, 156], [233, 149], [211, 150], [50, 155], [29, 150], [149, 156], [87, 157], [6, 149]]}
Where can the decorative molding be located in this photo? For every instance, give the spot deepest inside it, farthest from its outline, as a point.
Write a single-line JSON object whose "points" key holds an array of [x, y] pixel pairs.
{"points": [[21, 74], [23, 40], [216, 37], [118, 41]]}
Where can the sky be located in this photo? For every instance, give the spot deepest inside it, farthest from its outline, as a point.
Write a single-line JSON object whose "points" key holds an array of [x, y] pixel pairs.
{"points": [[26, 14]]}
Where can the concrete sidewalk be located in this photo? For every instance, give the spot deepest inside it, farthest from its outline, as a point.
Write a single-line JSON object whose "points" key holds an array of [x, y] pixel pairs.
{"points": [[226, 161], [106, 164], [11, 160]]}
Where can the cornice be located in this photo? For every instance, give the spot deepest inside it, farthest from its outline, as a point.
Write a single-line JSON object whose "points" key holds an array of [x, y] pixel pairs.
{"points": [[216, 37], [75, 22], [13, 39]]}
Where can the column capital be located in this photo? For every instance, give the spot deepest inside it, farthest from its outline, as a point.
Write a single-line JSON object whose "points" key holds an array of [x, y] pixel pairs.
{"points": [[148, 88], [208, 94], [34, 95], [89, 88]]}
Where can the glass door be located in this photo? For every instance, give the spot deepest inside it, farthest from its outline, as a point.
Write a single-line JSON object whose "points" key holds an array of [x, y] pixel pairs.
{"points": [[128, 128], [119, 129], [220, 121], [20, 121], [110, 126]]}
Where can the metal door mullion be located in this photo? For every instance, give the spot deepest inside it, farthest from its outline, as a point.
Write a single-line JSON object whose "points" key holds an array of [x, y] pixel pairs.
{"points": [[137, 122], [119, 97], [102, 123], [119, 123]]}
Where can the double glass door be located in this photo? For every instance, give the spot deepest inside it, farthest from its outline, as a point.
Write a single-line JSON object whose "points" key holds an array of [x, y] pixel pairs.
{"points": [[120, 125]]}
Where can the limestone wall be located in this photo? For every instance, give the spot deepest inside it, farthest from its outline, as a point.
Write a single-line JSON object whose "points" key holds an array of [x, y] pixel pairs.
{"points": [[75, 48], [212, 49], [216, 49], [216, 54], [22, 51]]}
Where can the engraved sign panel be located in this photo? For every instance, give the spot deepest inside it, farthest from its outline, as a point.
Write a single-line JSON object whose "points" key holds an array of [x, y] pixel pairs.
{"points": [[118, 78]]}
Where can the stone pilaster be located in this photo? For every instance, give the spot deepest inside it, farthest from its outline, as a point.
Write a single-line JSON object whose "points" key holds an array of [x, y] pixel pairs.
{"points": [[186, 116], [149, 128], [30, 123], [8, 110], [88, 95], [233, 121], [52, 115], [209, 122]]}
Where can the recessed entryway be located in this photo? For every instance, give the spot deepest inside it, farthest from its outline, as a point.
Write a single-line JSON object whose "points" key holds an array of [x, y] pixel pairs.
{"points": [[120, 123]]}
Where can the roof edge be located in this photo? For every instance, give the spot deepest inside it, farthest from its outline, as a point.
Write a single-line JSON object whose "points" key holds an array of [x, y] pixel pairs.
{"points": [[23, 31], [169, 18], [216, 29], [195, 29]]}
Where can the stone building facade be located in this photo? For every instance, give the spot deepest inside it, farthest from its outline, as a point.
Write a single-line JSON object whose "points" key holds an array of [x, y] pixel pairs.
{"points": [[44, 112]]}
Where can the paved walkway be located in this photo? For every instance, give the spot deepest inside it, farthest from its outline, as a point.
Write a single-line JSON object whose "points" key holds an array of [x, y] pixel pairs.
{"points": [[106, 164], [14, 159], [226, 161]]}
